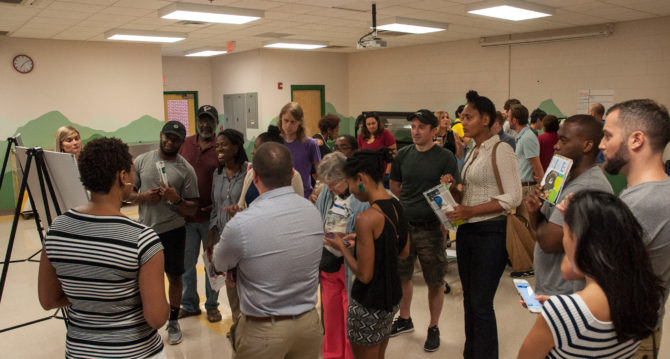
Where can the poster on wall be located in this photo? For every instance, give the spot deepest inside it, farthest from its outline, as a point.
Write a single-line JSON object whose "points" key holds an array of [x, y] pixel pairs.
{"points": [[586, 98], [177, 110]]}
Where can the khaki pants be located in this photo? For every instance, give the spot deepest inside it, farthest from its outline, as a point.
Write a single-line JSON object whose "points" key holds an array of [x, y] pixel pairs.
{"points": [[646, 349], [299, 338]]}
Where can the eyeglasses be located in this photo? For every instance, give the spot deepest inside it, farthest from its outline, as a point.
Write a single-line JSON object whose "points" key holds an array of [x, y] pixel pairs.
{"points": [[344, 147]]}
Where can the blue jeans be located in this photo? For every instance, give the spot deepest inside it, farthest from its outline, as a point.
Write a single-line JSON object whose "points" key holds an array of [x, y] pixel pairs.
{"points": [[196, 237], [482, 256]]}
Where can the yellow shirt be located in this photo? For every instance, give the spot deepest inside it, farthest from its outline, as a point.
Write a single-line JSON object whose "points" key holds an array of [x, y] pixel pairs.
{"points": [[458, 128]]}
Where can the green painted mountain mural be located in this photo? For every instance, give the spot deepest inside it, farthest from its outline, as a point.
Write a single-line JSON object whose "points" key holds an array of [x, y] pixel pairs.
{"points": [[42, 130], [550, 108]]}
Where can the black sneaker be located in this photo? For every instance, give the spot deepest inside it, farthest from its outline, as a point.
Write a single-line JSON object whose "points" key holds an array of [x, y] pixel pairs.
{"points": [[529, 273], [401, 326], [432, 340], [447, 288]]}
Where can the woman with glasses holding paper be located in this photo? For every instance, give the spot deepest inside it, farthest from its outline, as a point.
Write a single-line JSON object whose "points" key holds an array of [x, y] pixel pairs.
{"points": [[338, 208]]}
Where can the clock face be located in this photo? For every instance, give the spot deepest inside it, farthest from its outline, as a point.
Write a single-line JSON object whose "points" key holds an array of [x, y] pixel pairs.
{"points": [[23, 64]]}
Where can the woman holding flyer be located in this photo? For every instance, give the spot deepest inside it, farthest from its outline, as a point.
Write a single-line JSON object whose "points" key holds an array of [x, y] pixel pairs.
{"points": [[480, 248], [619, 305], [226, 190]]}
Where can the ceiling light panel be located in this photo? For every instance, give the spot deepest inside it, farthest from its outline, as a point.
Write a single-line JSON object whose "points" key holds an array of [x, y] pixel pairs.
{"points": [[412, 26], [295, 44], [209, 13], [144, 35], [510, 10], [205, 52]]}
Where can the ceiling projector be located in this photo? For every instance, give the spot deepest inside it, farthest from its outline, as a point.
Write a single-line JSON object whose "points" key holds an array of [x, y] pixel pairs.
{"points": [[370, 40], [371, 43]]}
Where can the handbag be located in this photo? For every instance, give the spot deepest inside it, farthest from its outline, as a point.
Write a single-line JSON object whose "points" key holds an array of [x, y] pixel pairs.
{"points": [[520, 237]]}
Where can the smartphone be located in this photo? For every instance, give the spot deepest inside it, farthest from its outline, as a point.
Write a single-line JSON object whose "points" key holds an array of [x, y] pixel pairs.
{"points": [[528, 295]]}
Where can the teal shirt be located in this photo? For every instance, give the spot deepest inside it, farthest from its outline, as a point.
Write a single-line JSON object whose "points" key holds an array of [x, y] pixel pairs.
{"points": [[527, 147], [418, 172]]}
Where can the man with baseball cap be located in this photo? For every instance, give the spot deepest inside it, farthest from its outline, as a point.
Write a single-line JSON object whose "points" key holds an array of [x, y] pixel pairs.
{"points": [[200, 151], [168, 192], [415, 169]]}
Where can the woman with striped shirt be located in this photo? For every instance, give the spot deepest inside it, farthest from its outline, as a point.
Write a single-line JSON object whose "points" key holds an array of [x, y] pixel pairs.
{"points": [[619, 305], [106, 268]]}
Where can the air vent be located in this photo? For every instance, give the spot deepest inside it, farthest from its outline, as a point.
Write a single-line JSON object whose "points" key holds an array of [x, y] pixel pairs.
{"points": [[4, 33], [273, 35], [10, 1], [190, 23]]}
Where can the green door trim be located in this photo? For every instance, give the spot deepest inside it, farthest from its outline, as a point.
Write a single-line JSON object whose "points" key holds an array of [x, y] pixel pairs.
{"points": [[322, 90]]}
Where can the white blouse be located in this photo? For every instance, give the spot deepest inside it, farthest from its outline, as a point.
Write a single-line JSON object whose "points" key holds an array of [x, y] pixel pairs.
{"points": [[479, 181]]}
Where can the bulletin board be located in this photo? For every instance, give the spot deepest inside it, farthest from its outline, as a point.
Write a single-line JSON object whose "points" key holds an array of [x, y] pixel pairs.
{"points": [[181, 106]]}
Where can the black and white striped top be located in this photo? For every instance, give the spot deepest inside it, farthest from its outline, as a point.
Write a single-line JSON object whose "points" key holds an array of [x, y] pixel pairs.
{"points": [[97, 260], [578, 334]]}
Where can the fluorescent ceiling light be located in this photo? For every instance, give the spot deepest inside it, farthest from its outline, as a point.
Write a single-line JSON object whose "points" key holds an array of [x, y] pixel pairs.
{"points": [[510, 10], [205, 52], [144, 35], [413, 26], [209, 13], [296, 44]]}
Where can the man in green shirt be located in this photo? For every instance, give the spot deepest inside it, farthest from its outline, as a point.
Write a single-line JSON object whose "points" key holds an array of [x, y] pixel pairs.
{"points": [[415, 169]]}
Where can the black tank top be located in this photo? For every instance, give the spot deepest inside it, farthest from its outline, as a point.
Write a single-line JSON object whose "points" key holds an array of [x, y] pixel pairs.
{"points": [[384, 291]]}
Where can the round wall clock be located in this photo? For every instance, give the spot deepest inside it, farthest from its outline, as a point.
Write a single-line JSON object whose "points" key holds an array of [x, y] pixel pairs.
{"points": [[23, 64]]}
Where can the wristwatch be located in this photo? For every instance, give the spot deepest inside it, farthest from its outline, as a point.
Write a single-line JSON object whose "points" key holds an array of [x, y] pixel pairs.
{"points": [[177, 202]]}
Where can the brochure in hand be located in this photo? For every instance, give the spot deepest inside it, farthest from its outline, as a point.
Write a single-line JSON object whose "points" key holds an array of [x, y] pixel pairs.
{"points": [[440, 200], [217, 280], [555, 177], [160, 166]]}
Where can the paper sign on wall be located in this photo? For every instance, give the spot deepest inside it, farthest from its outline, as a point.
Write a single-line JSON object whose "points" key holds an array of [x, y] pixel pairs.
{"points": [[586, 98], [177, 110]]}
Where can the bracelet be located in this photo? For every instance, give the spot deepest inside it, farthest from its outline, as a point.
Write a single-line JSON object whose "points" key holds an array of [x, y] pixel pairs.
{"points": [[178, 202]]}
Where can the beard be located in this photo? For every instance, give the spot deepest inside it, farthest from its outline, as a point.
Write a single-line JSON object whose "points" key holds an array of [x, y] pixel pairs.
{"points": [[172, 153], [207, 134], [621, 158]]}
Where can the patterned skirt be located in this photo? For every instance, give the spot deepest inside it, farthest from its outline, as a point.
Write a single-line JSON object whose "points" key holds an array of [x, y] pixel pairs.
{"points": [[367, 326]]}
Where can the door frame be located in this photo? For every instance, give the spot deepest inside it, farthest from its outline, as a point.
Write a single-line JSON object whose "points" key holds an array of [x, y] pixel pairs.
{"points": [[322, 91]]}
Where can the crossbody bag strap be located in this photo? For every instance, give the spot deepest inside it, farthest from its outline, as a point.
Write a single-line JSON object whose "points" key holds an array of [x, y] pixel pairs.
{"points": [[389, 219], [494, 164]]}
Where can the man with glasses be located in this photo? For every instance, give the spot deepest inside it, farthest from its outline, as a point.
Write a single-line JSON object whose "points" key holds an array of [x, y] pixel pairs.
{"points": [[346, 144]]}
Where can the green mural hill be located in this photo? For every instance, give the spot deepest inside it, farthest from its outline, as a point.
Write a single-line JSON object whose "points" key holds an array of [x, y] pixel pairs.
{"points": [[550, 108], [41, 131]]}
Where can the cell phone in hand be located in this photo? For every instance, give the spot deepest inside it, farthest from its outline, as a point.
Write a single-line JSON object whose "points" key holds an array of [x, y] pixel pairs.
{"points": [[528, 295]]}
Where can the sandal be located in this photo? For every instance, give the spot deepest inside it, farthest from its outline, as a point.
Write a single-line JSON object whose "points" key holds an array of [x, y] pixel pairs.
{"points": [[186, 313], [213, 315]]}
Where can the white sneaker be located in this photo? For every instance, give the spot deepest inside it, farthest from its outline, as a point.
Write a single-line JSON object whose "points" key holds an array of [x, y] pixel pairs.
{"points": [[174, 332]]}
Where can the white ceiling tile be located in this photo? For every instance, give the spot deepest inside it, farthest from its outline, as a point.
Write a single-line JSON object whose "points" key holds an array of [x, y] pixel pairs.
{"points": [[65, 14], [74, 6], [94, 2], [21, 11], [75, 35], [143, 4], [129, 11]]}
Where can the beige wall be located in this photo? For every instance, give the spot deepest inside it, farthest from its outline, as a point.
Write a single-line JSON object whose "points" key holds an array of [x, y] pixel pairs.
{"points": [[190, 74], [634, 62], [102, 85]]}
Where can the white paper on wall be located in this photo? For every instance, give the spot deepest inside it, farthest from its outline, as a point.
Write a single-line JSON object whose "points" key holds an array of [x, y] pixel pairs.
{"points": [[177, 110], [586, 98]]}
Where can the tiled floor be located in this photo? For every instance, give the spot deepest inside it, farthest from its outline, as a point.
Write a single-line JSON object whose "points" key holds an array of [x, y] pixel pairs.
{"points": [[205, 340]]}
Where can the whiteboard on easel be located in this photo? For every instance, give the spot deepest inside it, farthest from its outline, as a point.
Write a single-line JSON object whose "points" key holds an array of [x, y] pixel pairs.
{"points": [[64, 176]]}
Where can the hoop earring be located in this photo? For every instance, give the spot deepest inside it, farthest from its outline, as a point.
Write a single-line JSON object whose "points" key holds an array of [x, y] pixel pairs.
{"points": [[361, 187]]}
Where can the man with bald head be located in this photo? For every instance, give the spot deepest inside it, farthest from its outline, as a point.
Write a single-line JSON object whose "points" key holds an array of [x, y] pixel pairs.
{"points": [[578, 139]]}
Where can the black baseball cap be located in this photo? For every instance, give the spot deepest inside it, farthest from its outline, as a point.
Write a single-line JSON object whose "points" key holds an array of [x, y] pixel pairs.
{"points": [[175, 128], [424, 116], [210, 111]]}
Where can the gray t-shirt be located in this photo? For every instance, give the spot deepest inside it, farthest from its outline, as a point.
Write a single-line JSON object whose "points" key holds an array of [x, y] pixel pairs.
{"points": [[161, 216], [653, 212], [527, 147], [547, 266]]}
